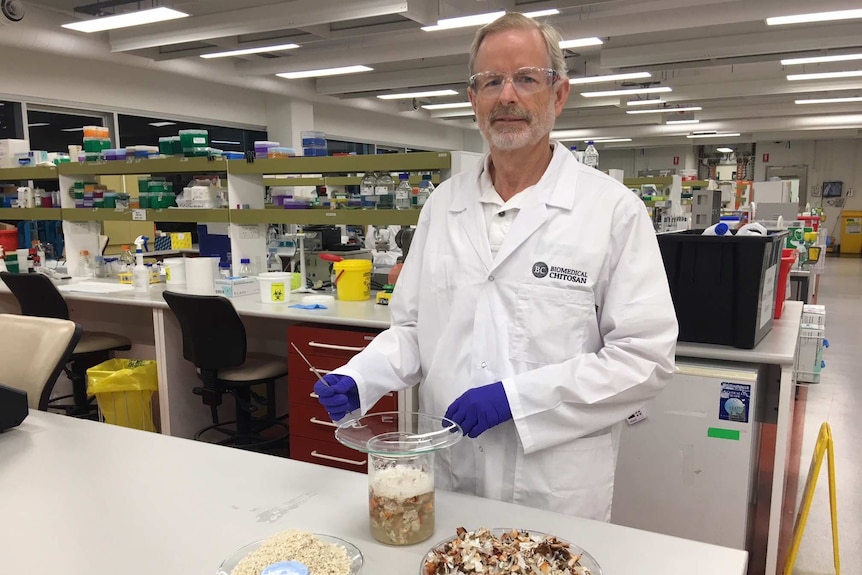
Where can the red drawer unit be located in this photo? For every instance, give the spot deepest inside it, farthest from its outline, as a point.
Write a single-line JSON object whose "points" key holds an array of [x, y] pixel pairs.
{"points": [[312, 434]]}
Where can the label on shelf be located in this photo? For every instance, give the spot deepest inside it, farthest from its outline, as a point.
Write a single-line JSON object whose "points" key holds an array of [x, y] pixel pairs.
{"points": [[139, 215]]}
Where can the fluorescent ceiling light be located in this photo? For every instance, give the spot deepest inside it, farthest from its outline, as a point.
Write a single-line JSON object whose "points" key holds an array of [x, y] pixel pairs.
{"points": [[425, 94], [825, 75], [447, 106], [246, 51], [455, 113], [665, 110], [815, 17], [609, 78], [580, 42], [683, 122], [644, 102], [821, 59], [725, 150], [723, 135], [481, 20], [162, 124], [225, 142], [609, 140], [625, 92], [830, 100], [324, 72], [38, 125], [126, 20], [72, 130]]}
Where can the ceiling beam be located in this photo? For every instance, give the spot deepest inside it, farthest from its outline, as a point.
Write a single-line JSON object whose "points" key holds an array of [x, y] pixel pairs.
{"points": [[280, 16]]}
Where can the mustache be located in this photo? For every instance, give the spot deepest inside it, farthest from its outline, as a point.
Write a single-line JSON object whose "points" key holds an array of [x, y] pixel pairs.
{"points": [[511, 112]]}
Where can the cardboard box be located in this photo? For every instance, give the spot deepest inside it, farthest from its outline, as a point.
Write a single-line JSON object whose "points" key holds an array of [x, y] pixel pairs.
{"points": [[31, 158], [181, 240], [9, 150], [237, 286]]}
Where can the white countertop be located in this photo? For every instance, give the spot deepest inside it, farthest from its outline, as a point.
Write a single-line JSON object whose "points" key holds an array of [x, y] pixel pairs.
{"points": [[84, 498], [778, 347]]}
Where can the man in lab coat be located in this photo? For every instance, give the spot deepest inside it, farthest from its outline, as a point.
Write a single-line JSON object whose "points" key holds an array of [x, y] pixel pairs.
{"points": [[533, 309]]}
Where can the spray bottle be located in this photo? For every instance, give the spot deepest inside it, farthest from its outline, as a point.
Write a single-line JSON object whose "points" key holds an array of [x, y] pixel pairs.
{"points": [[140, 274]]}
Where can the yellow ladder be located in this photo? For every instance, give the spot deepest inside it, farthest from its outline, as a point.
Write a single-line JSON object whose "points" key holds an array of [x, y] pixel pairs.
{"points": [[824, 446]]}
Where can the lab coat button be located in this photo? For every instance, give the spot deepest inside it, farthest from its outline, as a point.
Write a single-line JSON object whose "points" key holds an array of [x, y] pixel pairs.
{"points": [[490, 278], [483, 365]]}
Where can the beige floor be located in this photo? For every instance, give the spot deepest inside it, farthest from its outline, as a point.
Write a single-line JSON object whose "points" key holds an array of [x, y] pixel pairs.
{"points": [[838, 401]]}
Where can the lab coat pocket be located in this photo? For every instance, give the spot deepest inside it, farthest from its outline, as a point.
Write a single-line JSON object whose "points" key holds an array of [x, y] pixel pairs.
{"points": [[549, 323]]}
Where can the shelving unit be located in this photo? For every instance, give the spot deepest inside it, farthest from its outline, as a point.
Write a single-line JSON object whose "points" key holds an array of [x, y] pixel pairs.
{"points": [[246, 185]]}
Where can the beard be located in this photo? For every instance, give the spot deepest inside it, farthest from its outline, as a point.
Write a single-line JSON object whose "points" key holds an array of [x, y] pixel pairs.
{"points": [[512, 137]]}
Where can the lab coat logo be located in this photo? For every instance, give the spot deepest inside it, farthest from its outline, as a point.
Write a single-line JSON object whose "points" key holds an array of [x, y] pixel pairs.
{"points": [[540, 269]]}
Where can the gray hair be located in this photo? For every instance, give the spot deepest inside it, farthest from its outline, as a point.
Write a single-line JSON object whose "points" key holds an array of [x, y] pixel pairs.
{"points": [[517, 21]]}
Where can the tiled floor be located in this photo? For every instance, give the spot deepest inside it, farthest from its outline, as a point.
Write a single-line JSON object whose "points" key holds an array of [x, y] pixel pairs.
{"points": [[838, 401]]}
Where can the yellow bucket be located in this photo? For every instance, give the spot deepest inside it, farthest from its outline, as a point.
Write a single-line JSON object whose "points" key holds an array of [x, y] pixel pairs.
{"points": [[353, 279]]}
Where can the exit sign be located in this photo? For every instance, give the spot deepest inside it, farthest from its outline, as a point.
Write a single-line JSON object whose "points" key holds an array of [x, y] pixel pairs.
{"points": [[676, 160], [765, 158]]}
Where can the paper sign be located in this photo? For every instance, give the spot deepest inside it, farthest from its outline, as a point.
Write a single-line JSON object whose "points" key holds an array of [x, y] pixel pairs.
{"points": [[277, 292], [139, 215], [734, 402]]}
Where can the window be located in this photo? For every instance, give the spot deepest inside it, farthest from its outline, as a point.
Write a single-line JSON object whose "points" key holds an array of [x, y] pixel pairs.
{"points": [[11, 124], [140, 130], [55, 129]]}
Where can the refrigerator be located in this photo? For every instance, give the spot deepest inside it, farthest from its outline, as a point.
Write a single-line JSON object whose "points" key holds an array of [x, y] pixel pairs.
{"points": [[687, 462]]}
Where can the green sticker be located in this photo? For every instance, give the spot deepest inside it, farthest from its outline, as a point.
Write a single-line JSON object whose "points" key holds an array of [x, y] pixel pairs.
{"points": [[719, 433]]}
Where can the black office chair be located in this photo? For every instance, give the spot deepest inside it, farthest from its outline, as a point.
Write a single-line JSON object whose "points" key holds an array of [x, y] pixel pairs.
{"points": [[38, 296], [214, 341]]}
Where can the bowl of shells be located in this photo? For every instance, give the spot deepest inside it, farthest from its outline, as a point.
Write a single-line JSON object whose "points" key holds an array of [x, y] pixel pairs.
{"points": [[502, 551]]}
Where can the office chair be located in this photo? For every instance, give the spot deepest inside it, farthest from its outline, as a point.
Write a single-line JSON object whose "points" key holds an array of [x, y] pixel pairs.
{"points": [[214, 340], [33, 352], [38, 296]]}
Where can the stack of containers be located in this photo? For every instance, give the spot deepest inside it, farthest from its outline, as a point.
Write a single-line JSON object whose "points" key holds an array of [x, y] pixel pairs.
{"points": [[314, 144], [97, 140], [195, 143], [155, 193], [261, 148], [170, 146]]}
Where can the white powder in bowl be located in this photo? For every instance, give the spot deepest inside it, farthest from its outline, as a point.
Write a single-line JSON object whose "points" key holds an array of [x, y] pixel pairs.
{"points": [[320, 557], [401, 482]]}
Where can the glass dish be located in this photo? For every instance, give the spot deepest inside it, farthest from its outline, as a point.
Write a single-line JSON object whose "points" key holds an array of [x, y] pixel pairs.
{"points": [[586, 559], [395, 433], [353, 553]]}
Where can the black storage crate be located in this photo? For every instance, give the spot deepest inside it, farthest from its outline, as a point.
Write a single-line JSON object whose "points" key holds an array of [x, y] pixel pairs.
{"points": [[723, 287]]}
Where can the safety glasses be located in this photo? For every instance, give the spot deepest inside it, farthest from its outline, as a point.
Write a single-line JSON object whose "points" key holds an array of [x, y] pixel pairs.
{"points": [[525, 81]]}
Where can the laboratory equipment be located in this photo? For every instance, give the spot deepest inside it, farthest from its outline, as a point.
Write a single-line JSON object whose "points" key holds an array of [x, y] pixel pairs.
{"points": [[384, 190], [425, 189], [245, 267], [403, 192], [687, 462], [400, 448], [367, 190], [591, 155], [303, 281], [354, 556], [140, 274]]}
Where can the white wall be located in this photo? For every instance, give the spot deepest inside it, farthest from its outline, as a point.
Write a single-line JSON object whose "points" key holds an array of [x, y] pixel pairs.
{"points": [[634, 160], [827, 160]]}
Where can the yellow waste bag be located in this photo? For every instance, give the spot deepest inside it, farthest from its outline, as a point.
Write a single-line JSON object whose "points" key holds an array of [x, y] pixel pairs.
{"points": [[124, 391]]}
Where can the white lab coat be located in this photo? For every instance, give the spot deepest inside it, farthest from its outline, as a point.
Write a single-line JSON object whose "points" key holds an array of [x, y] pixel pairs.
{"points": [[573, 315]]}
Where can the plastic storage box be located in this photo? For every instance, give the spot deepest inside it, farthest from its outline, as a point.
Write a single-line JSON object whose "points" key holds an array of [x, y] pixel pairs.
{"points": [[723, 287]]}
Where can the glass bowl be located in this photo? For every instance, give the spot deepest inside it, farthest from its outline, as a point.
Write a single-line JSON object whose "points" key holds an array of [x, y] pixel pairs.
{"points": [[586, 559], [396, 433], [353, 553]]}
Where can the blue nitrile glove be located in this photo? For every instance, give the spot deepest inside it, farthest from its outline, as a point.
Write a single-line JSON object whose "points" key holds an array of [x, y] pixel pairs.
{"points": [[339, 395], [479, 409]]}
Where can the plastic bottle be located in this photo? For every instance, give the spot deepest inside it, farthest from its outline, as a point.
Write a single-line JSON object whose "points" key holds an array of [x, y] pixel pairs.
{"points": [[425, 189], [85, 266], [719, 229], [245, 267], [140, 274], [367, 190], [403, 192], [384, 190], [752, 229], [224, 270], [579, 156], [591, 156], [127, 260]]}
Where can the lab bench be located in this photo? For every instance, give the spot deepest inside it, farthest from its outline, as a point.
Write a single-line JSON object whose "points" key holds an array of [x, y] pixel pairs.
{"points": [[270, 326]]}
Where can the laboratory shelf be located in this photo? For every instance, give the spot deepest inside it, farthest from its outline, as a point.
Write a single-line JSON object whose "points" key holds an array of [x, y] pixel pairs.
{"points": [[337, 181], [167, 215], [145, 166], [344, 164], [29, 173], [329, 217], [695, 184], [31, 214], [641, 181]]}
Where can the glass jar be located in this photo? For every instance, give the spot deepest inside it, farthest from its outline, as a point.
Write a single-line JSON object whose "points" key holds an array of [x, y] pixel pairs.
{"points": [[401, 498], [400, 448]]}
